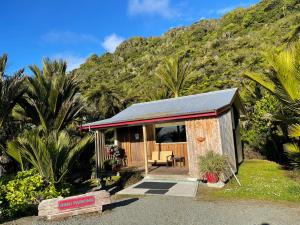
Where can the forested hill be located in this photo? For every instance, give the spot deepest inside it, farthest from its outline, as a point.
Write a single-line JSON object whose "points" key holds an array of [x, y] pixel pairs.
{"points": [[220, 51]]}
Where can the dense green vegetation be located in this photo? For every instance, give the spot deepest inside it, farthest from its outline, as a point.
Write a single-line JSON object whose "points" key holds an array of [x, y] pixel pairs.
{"points": [[40, 112], [263, 180], [45, 108], [282, 80], [219, 51], [21, 194]]}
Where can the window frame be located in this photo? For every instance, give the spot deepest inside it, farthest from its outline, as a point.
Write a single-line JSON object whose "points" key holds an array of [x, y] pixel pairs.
{"points": [[174, 124]]}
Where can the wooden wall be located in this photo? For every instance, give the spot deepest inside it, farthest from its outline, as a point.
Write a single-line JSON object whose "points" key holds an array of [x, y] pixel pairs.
{"points": [[216, 134], [203, 134], [178, 149], [227, 139], [133, 147]]}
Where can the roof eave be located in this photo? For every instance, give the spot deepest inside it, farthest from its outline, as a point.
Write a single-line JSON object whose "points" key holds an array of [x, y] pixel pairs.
{"points": [[160, 119]]}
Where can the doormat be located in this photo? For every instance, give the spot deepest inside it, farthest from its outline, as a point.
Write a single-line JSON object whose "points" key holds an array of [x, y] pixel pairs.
{"points": [[156, 185], [156, 192]]}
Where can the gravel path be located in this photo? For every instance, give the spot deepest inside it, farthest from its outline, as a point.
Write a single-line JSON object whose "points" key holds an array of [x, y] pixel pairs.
{"points": [[179, 210]]}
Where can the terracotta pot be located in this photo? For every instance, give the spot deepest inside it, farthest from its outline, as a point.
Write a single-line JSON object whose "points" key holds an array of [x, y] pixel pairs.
{"points": [[212, 177]]}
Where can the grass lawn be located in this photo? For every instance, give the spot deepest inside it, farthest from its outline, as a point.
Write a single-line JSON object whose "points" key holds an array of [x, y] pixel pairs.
{"points": [[261, 180]]}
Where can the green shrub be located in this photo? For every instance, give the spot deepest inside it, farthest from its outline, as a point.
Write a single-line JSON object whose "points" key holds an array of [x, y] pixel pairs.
{"points": [[21, 195], [212, 162]]}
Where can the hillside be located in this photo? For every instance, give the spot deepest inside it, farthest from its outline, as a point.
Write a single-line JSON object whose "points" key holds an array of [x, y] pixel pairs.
{"points": [[220, 51]]}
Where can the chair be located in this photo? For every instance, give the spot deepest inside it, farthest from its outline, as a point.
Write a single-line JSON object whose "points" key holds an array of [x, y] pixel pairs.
{"points": [[161, 157]]}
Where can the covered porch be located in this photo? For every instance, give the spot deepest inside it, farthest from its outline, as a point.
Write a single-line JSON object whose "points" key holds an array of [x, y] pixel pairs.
{"points": [[155, 149]]}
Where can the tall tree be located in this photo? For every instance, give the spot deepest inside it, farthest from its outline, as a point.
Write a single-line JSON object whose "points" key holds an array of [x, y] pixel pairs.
{"points": [[53, 100], [283, 81], [173, 74], [11, 89], [51, 105], [106, 102]]}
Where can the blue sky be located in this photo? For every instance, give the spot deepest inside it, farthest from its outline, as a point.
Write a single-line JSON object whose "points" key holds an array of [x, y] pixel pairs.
{"points": [[74, 29]]}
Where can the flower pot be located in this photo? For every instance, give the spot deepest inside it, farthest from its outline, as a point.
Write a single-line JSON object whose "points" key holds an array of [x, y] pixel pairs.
{"points": [[212, 177], [116, 168]]}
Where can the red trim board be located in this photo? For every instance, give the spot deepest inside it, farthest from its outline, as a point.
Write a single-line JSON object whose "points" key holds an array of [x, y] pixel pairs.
{"points": [[161, 119]]}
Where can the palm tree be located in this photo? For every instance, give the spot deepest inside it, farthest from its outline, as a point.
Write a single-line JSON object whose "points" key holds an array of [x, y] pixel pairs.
{"points": [[51, 154], [106, 101], [11, 90], [53, 100], [283, 81], [173, 74]]}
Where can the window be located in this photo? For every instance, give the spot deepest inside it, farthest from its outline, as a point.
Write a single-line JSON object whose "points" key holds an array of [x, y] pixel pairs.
{"points": [[170, 133]]}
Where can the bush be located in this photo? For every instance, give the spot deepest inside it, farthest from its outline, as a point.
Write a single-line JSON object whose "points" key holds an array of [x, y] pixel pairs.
{"points": [[21, 195], [212, 162]]}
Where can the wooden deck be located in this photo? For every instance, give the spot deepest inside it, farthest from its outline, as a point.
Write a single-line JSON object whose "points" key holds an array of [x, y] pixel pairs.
{"points": [[164, 170]]}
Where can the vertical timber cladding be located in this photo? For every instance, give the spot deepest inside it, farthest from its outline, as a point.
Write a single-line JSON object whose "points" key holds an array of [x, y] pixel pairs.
{"points": [[131, 140], [203, 135], [227, 138]]}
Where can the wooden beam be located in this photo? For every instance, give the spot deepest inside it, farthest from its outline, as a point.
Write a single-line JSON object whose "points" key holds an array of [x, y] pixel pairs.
{"points": [[116, 141], [97, 153], [145, 149], [101, 149]]}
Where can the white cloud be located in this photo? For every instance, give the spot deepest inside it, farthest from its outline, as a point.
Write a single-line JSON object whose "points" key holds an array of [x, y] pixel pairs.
{"points": [[68, 37], [73, 61], [111, 42], [151, 7]]}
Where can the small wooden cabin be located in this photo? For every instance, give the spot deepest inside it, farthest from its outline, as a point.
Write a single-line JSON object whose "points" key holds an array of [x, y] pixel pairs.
{"points": [[187, 126]]}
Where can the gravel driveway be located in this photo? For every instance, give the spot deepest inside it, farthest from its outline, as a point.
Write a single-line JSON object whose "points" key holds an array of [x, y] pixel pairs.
{"points": [[180, 210]]}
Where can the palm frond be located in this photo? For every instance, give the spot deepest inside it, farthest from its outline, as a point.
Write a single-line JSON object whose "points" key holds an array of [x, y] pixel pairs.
{"points": [[173, 74], [294, 131], [293, 152], [51, 154], [258, 78]]}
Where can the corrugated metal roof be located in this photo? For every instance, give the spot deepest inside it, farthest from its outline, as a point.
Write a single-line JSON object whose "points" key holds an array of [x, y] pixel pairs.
{"points": [[186, 105]]}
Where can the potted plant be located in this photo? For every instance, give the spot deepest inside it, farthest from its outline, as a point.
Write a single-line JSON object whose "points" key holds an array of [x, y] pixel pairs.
{"points": [[117, 155], [211, 165]]}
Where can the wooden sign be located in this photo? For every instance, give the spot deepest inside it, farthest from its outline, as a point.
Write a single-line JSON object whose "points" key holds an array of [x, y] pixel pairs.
{"points": [[75, 205]]}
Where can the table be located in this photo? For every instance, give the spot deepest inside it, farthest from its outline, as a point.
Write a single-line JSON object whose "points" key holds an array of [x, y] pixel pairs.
{"points": [[179, 159]]}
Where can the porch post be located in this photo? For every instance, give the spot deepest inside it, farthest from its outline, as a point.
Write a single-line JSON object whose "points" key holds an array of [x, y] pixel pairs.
{"points": [[145, 149], [99, 150], [97, 153], [116, 141]]}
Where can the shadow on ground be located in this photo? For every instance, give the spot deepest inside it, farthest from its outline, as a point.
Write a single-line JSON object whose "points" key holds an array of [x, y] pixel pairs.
{"points": [[120, 203]]}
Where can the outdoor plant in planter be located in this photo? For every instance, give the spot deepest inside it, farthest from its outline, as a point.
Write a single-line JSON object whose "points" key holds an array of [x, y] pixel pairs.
{"points": [[118, 155], [211, 165]]}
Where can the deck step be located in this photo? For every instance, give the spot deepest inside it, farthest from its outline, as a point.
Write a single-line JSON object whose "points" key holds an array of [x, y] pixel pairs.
{"points": [[170, 177]]}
